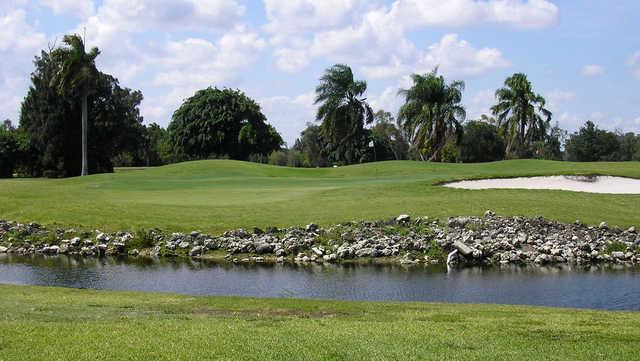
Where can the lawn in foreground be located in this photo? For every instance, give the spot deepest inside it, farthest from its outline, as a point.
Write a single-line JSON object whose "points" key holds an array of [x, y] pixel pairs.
{"points": [[46, 323], [217, 195]]}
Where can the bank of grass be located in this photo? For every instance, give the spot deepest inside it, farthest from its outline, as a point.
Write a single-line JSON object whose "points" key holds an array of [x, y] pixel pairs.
{"points": [[45, 323], [216, 195]]}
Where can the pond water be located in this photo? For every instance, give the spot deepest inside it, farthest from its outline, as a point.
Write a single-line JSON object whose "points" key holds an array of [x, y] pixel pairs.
{"points": [[598, 288], [591, 184]]}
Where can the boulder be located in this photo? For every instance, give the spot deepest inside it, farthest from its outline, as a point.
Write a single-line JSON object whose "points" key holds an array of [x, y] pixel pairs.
{"points": [[3, 249], [195, 251], [403, 218], [264, 247]]}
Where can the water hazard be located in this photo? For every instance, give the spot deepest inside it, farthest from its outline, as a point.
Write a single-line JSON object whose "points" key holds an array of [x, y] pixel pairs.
{"points": [[595, 287]]}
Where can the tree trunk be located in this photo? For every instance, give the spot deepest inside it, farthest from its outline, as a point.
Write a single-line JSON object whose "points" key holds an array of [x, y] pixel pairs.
{"points": [[85, 168]]}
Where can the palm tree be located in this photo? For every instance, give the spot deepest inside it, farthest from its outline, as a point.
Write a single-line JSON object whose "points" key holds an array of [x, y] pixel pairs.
{"points": [[521, 114], [76, 74], [432, 113], [343, 112]]}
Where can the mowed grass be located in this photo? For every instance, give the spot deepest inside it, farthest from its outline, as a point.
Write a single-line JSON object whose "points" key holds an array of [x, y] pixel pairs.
{"points": [[46, 323], [217, 195]]}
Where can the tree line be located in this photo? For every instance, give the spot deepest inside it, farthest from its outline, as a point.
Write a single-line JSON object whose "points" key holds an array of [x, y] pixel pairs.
{"points": [[77, 120]]}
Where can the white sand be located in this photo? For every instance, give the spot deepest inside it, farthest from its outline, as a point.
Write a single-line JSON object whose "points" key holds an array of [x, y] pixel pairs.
{"points": [[599, 184]]}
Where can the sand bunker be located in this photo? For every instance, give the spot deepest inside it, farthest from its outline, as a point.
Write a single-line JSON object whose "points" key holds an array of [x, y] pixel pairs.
{"points": [[591, 184]]}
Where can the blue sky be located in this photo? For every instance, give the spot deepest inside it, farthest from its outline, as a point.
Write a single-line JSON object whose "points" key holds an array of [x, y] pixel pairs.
{"points": [[583, 56]]}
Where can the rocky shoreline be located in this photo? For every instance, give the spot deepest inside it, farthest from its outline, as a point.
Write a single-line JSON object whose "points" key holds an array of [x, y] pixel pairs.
{"points": [[488, 240]]}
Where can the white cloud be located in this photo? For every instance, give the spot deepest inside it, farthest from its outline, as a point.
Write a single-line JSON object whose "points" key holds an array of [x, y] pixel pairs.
{"points": [[480, 103], [637, 121], [633, 62], [19, 43], [116, 17], [291, 60], [289, 115], [454, 57], [517, 13], [557, 97], [592, 70], [78, 8], [295, 16], [199, 62]]}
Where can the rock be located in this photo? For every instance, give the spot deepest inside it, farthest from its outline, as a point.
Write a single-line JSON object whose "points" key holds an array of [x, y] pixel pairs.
{"points": [[184, 244], [631, 229], [194, 234], [263, 248], [618, 255], [279, 259], [603, 225], [134, 252], [311, 227], [403, 218], [195, 251], [101, 237], [463, 249], [364, 252], [318, 250], [3, 249]]}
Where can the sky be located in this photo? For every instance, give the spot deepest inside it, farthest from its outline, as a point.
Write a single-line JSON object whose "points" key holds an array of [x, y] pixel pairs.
{"points": [[583, 56]]}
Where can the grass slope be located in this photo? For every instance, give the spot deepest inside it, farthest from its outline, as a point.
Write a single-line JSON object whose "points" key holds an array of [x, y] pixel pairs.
{"points": [[217, 195], [42, 323]]}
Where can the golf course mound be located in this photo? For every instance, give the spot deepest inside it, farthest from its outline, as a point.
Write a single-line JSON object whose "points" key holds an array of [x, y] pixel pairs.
{"points": [[217, 195]]}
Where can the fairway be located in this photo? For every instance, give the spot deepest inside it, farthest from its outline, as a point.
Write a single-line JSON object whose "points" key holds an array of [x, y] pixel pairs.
{"points": [[217, 195], [67, 324]]}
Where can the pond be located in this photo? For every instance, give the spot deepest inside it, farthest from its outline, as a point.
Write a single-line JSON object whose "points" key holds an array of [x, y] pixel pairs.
{"points": [[591, 184], [595, 287]]}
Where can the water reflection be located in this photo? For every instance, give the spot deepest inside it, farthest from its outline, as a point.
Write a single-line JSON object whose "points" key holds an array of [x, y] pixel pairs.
{"points": [[569, 286]]}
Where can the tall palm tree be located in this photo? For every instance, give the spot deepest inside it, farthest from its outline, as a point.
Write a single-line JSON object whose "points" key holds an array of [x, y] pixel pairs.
{"points": [[521, 114], [432, 113], [76, 74], [343, 112]]}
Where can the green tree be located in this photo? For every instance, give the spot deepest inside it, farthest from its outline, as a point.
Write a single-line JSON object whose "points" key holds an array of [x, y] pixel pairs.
{"points": [[51, 123], [481, 142], [629, 146], [343, 113], [388, 140], [432, 114], [77, 74], [221, 122], [522, 115], [311, 145], [11, 149], [591, 144]]}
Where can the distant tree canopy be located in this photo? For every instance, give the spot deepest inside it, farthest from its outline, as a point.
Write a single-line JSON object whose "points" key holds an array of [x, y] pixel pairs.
{"points": [[591, 144], [343, 112], [11, 149], [432, 114], [221, 123], [522, 115], [51, 122], [481, 142]]}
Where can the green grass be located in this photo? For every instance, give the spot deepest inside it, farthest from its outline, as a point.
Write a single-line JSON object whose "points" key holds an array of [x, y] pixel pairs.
{"points": [[217, 195], [42, 323]]}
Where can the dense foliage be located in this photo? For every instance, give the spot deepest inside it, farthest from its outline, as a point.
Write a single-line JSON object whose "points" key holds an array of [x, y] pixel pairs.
{"points": [[481, 142], [11, 149], [51, 122], [522, 115], [432, 114], [221, 123], [343, 112], [592, 144]]}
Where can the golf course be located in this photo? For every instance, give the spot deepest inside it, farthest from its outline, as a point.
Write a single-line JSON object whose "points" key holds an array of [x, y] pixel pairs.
{"points": [[219, 195]]}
